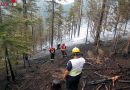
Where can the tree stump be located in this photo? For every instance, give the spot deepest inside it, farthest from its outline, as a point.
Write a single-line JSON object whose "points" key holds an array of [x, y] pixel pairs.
{"points": [[56, 85]]}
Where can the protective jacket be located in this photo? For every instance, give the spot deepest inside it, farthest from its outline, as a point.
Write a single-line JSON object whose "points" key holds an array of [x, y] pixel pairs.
{"points": [[77, 66]]}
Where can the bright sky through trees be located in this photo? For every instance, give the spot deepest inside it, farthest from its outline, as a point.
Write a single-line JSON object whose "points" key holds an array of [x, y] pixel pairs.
{"points": [[64, 1]]}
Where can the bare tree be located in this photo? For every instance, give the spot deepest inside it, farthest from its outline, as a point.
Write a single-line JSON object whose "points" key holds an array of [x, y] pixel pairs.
{"points": [[98, 31], [80, 16]]}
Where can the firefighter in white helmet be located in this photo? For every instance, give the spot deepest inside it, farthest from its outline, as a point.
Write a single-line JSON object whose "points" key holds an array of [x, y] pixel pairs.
{"points": [[73, 70]]}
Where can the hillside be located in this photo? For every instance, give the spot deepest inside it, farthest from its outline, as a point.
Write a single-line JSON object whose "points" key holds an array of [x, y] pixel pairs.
{"points": [[41, 74]]}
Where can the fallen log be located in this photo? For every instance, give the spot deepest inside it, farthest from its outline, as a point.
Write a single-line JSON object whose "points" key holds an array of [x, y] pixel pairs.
{"points": [[103, 76], [122, 88], [124, 81], [95, 82], [105, 80], [114, 78]]}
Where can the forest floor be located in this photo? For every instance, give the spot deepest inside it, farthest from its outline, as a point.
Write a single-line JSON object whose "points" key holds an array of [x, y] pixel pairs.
{"points": [[42, 72]]}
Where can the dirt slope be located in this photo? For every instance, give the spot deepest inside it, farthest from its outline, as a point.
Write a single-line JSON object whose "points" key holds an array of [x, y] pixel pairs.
{"points": [[41, 75]]}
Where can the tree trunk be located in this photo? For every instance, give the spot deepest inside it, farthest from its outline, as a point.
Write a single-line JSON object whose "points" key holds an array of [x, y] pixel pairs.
{"points": [[72, 31], [69, 32], [72, 26], [6, 63], [80, 16], [25, 9], [33, 46], [127, 17], [106, 16], [49, 38], [25, 13], [75, 29], [41, 41], [125, 27], [10, 66], [58, 33], [97, 38], [41, 36], [87, 33], [52, 28], [7, 68], [115, 32]]}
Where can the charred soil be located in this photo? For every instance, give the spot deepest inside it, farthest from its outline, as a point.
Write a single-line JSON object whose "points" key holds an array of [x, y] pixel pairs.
{"points": [[41, 74]]}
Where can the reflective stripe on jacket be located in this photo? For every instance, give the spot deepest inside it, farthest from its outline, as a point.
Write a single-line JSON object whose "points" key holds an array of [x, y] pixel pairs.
{"points": [[77, 66]]}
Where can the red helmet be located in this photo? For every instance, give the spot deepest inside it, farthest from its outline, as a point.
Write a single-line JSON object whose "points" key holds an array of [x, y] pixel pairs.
{"points": [[13, 1]]}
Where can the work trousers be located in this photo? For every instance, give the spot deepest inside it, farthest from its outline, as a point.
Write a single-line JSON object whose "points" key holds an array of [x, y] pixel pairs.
{"points": [[64, 54], [52, 55], [72, 82]]}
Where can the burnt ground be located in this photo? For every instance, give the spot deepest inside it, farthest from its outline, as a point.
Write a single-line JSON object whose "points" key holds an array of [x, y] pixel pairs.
{"points": [[42, 72]]}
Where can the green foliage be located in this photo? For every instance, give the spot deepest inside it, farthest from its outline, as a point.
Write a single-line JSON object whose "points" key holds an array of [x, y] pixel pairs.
{"points": [[94, 10], [12, 32], [124, 7], [58, 16]]}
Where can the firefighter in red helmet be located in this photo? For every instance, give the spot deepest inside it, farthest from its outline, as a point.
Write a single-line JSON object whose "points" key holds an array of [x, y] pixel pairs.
{"points": [[63, 50], [52, 53]]}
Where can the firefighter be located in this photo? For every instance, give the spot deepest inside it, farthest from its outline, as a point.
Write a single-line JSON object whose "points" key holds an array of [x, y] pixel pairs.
{"points": [[63, 50], [58, 46], [73, 70], [52, 53]]}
